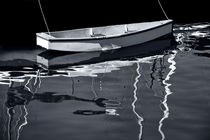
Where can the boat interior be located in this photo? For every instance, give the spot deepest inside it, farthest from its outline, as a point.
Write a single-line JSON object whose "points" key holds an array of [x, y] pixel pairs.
{"points": [[106, 31]]}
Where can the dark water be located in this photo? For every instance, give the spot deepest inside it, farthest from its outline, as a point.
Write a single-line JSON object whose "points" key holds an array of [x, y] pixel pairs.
{"points": [[140, 93]]}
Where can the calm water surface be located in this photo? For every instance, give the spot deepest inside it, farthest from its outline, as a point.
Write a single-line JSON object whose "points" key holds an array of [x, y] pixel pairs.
{"points": [[116, 95]]}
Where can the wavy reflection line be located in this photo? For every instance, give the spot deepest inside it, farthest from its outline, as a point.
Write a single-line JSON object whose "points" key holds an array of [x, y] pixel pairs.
{"points": [[37, 75], [9, 124], [24, 123], [19, 118], [28, 83], [168, 91], [40, 81], [37, 80], [139, 118]]}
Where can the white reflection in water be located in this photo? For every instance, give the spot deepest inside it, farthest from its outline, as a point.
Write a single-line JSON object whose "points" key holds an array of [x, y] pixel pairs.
{"points": [[37, 82], [12, 132], [19, 118], [24, 123], [18, 124], [111, 111], [168, 91], [139, 118], [37, 75], [35, 85], [9, 124], [26, 85]]}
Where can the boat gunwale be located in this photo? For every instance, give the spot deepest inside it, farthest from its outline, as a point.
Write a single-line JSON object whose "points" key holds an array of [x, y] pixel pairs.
{"points": [[53, 39]]}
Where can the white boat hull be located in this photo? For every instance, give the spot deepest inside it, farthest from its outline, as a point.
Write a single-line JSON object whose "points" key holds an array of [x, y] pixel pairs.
{"points": [[106, 42]]}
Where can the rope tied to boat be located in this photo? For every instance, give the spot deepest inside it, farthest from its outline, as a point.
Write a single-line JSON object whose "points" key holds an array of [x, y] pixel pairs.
{"points": [[45, 21], [162, 9], [126, 28]]}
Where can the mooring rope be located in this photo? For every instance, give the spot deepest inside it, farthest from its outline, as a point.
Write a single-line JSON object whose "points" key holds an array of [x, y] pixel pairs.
{"points": [[162, 9], [45, 21]]}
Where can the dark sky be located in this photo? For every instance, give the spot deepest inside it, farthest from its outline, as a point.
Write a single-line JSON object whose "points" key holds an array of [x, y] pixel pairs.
{"points": [[22, 18]]}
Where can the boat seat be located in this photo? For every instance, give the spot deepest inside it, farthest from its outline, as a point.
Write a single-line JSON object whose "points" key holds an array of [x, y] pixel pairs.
{"points": [[130, 31], [98, 35]]}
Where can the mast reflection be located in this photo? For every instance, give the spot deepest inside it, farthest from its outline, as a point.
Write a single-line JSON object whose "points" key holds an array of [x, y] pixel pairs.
{"points": [[168, 92], [139, 118]]}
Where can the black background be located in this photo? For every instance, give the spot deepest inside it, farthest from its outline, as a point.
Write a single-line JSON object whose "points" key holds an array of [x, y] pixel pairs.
{"points": [[21, 19]]}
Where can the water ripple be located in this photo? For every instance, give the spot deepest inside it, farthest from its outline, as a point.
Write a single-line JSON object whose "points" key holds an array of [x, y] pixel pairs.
{"points": [[193, 35]]}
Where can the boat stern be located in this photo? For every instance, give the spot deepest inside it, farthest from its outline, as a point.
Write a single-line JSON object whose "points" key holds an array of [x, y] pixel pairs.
{"points": [[42, 39]]}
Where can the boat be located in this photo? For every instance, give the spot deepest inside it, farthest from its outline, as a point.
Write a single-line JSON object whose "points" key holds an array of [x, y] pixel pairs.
{"points": [[104, 38]]}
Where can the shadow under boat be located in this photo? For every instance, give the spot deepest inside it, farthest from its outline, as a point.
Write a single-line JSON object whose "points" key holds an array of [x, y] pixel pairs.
{"points": [[51, 59]]}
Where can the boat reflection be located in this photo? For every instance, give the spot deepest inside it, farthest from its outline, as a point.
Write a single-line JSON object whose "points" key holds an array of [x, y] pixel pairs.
{"points": [[54, 60]]}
